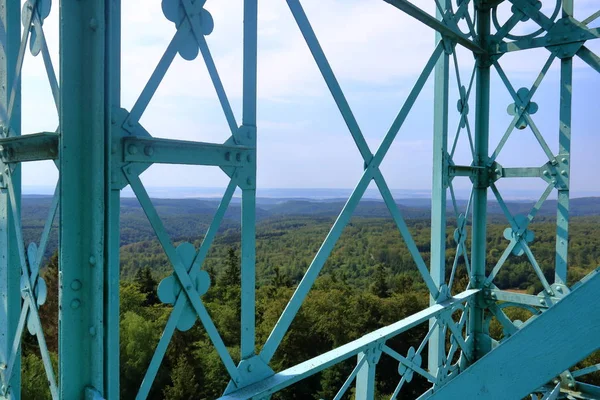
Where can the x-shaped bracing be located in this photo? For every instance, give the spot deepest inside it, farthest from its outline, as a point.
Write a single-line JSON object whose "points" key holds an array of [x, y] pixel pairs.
{"points": [[32, 285]]}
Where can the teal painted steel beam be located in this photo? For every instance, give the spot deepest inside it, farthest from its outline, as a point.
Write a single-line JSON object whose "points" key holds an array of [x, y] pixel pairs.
{"points": [[249, 130], [545, 41], [10, 269], [83, 193], [31, 147], [564, 155], [434, 23], [437, 346], [113, 202], [169, 151], [546, 346], [335, 232], [365, 377], [475, 327], [310, 367]]}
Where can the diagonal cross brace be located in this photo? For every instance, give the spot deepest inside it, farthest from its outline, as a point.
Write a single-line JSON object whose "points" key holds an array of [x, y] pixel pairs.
{"points": [[434, 23], [187, 285], [371, 172]]}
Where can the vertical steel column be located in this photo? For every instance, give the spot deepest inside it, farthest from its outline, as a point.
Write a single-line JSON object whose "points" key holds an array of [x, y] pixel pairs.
{"points": [[248, 136], [564, 158], [482, 114], [438, 193], [10, 269], [82, 196], [113, 203]]}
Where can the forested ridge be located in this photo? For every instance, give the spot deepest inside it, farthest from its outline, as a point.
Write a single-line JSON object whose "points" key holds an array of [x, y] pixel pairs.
{"points": [[369, 281]]}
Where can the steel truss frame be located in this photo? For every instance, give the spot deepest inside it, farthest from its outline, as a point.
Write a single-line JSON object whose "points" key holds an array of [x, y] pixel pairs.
{"points": [[99, 148]]}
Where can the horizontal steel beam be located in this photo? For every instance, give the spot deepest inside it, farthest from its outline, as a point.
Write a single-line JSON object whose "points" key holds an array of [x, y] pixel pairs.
{"points": [[33, 147], [167, 151], [569, 332], [436, 24], [522, 298], [301, 371], [524, 172], [499, 172], [545, 41]]}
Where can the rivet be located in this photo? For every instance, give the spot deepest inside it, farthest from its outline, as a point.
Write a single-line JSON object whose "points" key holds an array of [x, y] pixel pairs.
{"points": [[542, 301], [238, 157], [249, 368], [76, 285], [75, 304], [571, 385], [374, 360], [93, 24], [129, 122], [93, 330], [2, 366], [113, 120], [248, 158], [549, 40], [565, 37], [128, 170], [563, 172], [546, 172], [563, 160], [227, 156], [148, 150], [249, 181], [555, 381], [582, 35], [550, 292], [237, 380], [92, 260], [132, 149], [189, 287]]}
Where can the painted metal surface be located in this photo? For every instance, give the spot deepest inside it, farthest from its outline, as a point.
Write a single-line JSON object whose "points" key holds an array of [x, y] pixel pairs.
{"points": [[100, 148]]}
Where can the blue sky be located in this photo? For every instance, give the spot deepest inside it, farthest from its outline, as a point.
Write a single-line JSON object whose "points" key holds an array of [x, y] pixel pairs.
{"points": [[376, 52]]}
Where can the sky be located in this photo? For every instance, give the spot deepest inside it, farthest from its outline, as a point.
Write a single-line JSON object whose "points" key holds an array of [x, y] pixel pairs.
{"points": [[377, 53]]}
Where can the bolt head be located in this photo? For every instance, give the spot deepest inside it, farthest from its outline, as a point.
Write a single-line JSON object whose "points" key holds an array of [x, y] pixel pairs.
{"points": [[92, 260], [148, 150], [76, 285], [249, 368], [75, 304], [132, 149]]}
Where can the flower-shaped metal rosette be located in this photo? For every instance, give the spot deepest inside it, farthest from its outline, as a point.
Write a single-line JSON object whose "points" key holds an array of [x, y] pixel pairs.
{"points": [[406, 371], [42, 8], [174, 11], [522, 107], [40, 292], [170, 288], [527, 235]]}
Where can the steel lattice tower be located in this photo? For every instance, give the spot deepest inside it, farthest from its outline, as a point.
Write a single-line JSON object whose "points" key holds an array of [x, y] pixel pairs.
{"points": [[100, 148]]}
